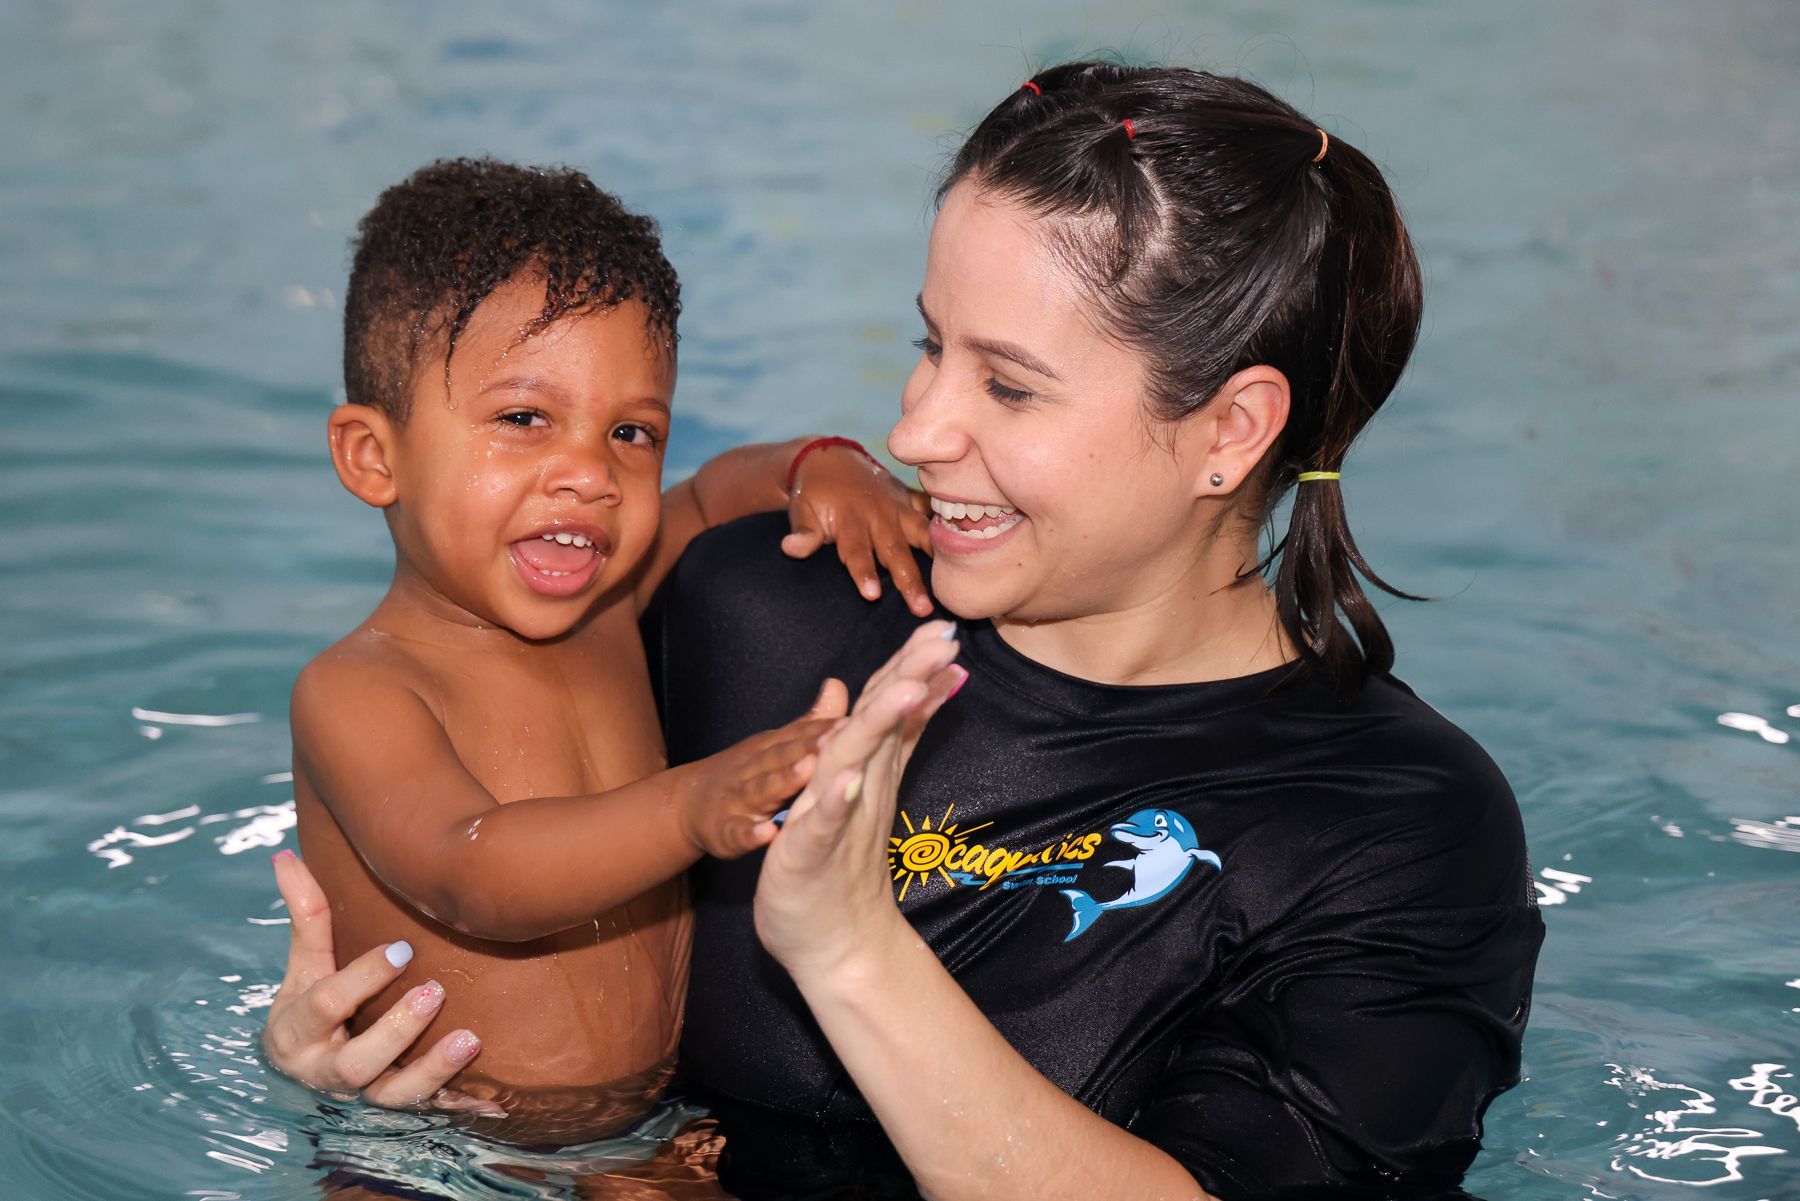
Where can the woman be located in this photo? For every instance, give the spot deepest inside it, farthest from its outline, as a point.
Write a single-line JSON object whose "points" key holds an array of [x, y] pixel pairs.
{"points": [[1183, 894]]}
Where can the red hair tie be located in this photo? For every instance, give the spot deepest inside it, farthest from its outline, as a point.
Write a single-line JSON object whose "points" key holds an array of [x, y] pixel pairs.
{"points": [[1130, 129], [1033, 86]]}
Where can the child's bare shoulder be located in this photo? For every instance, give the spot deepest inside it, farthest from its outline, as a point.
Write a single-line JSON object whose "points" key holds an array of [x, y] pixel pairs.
{"points": [[363, 678]]}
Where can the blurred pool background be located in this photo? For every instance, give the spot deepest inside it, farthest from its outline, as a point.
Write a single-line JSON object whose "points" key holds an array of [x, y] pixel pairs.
{"points": [[1592, 462]]}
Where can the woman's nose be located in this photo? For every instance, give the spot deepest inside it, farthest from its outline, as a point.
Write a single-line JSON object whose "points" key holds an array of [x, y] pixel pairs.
{"points": [[929, 429]]}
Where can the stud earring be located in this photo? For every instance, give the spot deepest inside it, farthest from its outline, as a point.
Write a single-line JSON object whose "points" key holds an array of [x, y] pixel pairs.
{"points": [[1218, 481]]}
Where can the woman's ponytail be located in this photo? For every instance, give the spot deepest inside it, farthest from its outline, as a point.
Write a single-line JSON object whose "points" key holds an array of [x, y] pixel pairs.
{"points": [[1368, 296]]}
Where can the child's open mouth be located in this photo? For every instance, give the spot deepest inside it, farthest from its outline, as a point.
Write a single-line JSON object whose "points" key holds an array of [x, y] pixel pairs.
{"points": [[560, 561]]}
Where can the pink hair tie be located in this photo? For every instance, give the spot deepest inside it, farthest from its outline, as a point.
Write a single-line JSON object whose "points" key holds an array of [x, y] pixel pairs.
{"points": [[1033, 86], [1130, 129]]}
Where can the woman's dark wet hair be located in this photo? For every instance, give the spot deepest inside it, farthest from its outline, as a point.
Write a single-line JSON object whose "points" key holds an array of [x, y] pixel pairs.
{"points": [[1212, 241], [436, 245]]}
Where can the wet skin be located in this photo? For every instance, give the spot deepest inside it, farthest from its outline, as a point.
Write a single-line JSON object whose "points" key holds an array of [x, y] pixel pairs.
{"points": [[502, 668]]}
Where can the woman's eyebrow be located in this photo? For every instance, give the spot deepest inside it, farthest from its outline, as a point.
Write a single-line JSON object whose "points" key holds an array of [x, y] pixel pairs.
{"points": [[1009, 351]]}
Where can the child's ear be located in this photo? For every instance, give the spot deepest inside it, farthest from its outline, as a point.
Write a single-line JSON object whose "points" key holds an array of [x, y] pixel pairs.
{"points": [[362, 442]]}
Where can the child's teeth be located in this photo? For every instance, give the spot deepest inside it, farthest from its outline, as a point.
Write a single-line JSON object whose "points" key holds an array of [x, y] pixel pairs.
{"points": [[581, 540]]}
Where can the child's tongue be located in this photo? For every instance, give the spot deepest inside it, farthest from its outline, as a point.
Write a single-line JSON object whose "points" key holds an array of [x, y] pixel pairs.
{"points": [[553, 556]]}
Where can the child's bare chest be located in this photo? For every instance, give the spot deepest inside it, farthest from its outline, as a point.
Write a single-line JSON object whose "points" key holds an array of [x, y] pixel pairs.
{"points": [[557, 723]]}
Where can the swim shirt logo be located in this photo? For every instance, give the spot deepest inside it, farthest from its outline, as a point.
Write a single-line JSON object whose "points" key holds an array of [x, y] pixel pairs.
{"points": [[1165, 844], [1166, 848]]}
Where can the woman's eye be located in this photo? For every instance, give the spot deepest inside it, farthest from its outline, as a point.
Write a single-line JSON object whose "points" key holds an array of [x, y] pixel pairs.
{"points": [[524, 418], [636, 435], [928, 346], [1000, 391]]}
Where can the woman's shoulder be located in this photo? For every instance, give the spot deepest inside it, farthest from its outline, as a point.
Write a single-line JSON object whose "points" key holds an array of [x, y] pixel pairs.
{"points": [[740, 636], [1400, 793]]}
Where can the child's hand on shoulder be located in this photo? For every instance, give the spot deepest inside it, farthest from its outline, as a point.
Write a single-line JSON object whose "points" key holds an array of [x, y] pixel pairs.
{"points": [[727, 801], [840, 495]]}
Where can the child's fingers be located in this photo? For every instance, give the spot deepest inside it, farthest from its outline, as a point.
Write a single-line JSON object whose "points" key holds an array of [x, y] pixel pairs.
{"points": [[310, 951], [806, 532], [363, 1059], [329, 1003], [896, 556], [858, 556], [422, 1081], [875, 718], [802, 543]]}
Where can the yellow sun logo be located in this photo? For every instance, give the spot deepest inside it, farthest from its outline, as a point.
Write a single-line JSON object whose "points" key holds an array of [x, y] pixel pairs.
{"points": [[924, 850]]}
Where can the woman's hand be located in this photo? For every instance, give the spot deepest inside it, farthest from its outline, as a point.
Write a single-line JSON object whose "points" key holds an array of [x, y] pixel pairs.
{"points": [[824, 892], [305, 1036], [841, 496]]}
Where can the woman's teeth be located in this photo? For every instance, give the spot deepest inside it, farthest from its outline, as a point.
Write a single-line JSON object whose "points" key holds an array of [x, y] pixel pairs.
{"points": [[1002, 517], [568, 540], [955, 510]]}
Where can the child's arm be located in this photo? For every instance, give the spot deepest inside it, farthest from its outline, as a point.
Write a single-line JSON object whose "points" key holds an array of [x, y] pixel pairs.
{"points": [[379, 759], [839, 495]]}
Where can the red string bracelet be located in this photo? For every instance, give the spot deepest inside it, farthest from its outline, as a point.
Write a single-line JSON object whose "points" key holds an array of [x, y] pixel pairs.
{"points": [[821, 444]]}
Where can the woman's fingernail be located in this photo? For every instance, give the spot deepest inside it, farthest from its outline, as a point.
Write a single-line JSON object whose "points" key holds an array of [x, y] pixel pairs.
{"points": [[399, 954], [426, 998], [962, 677], [853, 789], [463, 1045], [278, 856], [948, 632]]}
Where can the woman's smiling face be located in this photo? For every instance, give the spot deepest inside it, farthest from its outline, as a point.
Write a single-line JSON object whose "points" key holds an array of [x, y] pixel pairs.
{"points": [[1022, 406]]}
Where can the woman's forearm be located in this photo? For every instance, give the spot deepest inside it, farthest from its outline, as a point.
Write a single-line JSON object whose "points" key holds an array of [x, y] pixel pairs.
{"points": [[971, 1118]]}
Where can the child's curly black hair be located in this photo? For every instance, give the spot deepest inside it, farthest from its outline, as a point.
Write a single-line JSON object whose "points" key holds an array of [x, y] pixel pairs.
{"points": [[435, 246]]}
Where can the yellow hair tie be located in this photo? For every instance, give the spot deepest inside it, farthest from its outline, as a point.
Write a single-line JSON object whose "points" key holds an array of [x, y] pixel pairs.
{"points": [[1306, 477]]}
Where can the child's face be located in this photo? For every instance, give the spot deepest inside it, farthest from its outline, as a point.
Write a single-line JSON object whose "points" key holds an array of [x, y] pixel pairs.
{"points": [[558, 435]]}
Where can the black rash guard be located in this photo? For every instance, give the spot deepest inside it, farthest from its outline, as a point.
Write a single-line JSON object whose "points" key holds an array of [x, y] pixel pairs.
{"points": [[1288, 941]]}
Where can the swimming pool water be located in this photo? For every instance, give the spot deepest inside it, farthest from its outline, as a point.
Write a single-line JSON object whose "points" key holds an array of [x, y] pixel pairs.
{"points": [[1591, 464]]}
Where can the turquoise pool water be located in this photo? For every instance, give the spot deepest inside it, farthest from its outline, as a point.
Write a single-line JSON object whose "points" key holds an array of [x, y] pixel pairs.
{"points": [[1592, 463]]}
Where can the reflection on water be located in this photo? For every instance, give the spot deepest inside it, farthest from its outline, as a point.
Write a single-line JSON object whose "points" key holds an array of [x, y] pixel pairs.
{"points": [[669, 1154], [1675, 1147]]}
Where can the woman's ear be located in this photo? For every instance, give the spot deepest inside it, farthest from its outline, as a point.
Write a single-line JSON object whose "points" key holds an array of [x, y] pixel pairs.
{"points": [[1248, 414], [362, 445]]}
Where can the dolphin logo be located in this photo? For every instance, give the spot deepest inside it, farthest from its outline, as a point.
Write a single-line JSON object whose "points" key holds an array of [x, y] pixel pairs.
{"points": [[1166, 848]]}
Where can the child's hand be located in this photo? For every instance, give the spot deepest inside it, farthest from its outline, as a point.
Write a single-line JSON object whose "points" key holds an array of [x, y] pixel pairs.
{"points": [[840, 496], [728, 799]]}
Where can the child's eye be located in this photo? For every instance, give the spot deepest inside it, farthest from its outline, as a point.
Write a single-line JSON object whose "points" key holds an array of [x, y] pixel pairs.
{"points": [[1000, 391], [523, 418], [928, 346], [636, 435]]}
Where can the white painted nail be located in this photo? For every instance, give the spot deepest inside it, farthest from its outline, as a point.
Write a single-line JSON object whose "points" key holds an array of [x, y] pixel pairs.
{"points": [[853, 789], [948, 632], [399, 954]]}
